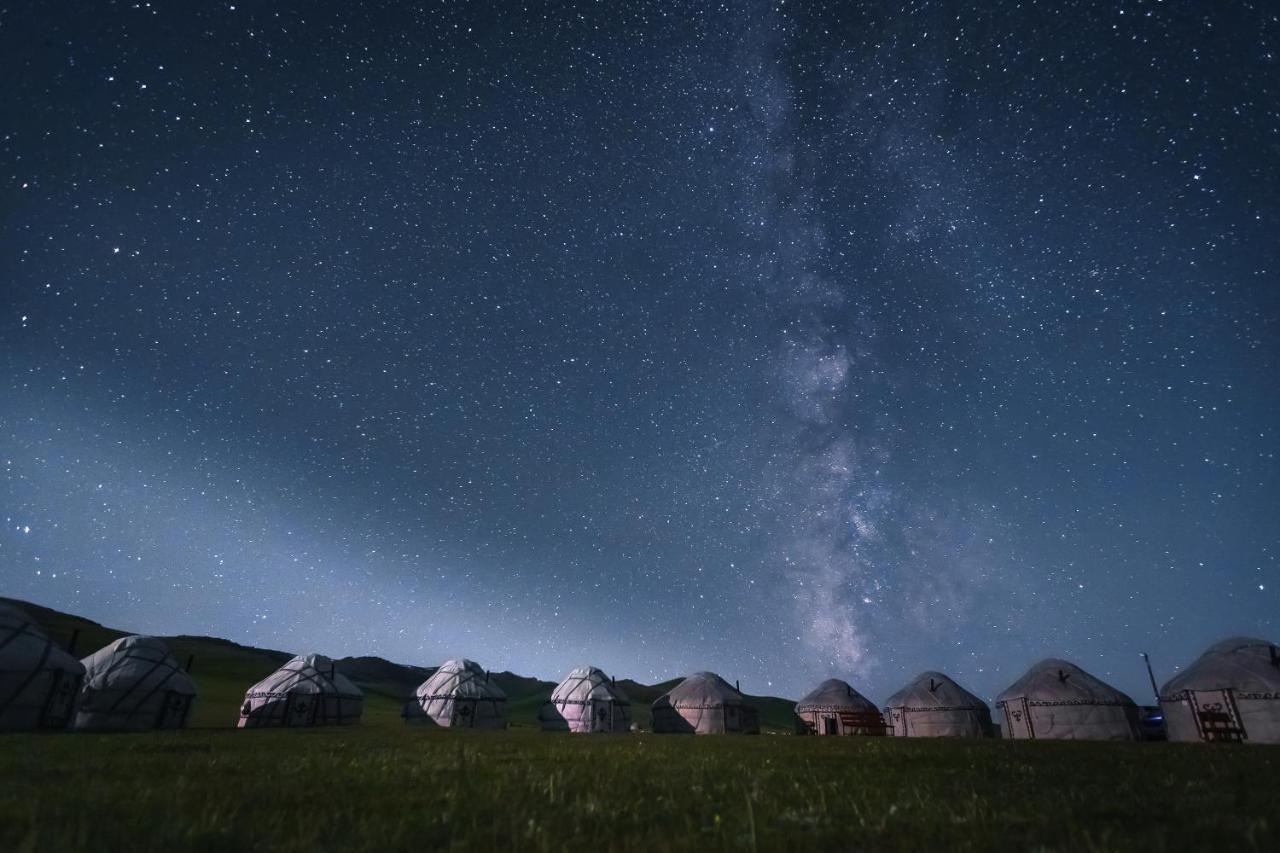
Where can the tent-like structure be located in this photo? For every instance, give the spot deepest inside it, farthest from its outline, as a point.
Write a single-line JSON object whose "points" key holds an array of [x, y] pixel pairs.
{"points": [[307, 691], [704, 703], [835, 708], [134, 684], [586, 700], [932, 705], [1230, 693], [38, 680], [1056, 699], [459, 693]]}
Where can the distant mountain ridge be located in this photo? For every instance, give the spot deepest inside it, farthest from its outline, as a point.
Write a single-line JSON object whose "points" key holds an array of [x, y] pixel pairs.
{"points": [[224, 669]]}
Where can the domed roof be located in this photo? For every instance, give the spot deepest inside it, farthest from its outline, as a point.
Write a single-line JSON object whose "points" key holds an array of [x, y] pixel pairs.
{"points": [[935, 691], [585, 683], [460, 678], [1243, 664], [834, 694], [701, 690], [305, 674], [1054, 681], [136, 659]]}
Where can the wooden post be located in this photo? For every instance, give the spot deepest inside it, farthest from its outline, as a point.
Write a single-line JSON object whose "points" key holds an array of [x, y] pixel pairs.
{"points": [[1151, 675]]}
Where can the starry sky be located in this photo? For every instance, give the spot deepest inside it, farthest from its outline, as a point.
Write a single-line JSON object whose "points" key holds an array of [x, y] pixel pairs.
{"points": [[788, 340]]}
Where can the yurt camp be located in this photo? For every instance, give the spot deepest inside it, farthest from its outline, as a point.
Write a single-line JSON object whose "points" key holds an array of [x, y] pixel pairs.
{"points": [[704, 703], [586, 700], [835, 708], [1058, 700], [932, 705], [134, 684], [459, 694], [307, 691], [38, 680], [1230, 693]]}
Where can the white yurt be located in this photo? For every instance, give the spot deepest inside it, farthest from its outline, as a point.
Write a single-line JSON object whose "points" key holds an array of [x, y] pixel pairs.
{"points": [[307, 691], [134, 684], [932, 705], [1230, 693], [1058, 700], [704, 703], [586, 700], [835, 708], [38, 680], [459, 693]]}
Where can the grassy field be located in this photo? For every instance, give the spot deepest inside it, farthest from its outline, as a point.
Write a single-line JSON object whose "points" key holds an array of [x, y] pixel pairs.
{"points": [[385, 787]]}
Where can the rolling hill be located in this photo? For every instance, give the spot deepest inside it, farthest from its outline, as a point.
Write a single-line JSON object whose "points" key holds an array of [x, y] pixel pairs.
{"points": [[224, 669]]}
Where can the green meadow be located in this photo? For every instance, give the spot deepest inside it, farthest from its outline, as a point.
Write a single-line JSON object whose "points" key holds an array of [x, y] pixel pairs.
{"points": [[382, 786]]}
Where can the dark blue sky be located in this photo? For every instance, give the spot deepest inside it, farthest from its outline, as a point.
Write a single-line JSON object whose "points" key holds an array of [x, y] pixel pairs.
{"points": [[845, 339]]}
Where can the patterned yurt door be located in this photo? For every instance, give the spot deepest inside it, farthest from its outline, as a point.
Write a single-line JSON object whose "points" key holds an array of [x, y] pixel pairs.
{"points": [[1017, 720], [1217, 717], [300, 710], [173, 712], [898, 722], [61, 701]]}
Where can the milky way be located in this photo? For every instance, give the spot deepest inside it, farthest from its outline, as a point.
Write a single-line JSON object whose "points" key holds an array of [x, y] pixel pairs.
{"points": [[840, 340]]}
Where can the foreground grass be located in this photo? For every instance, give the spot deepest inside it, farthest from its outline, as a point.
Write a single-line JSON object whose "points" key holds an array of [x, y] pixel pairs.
{"points": [[382, 787]]}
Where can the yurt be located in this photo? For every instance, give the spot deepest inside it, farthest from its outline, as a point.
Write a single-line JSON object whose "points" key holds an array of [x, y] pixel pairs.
{"points": [[1056, 699], [307, 691], [586, 700], [459, 693], [38, 680], [932, 705], [704, 703], [1230, 693], [134, 684], [835, 708]]}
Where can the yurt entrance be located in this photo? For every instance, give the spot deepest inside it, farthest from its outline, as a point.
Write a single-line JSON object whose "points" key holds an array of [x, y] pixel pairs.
{"points": [[299, 709], [174, 711], [60, 704], [1017, 719], [897, 722], [1217, 717]]}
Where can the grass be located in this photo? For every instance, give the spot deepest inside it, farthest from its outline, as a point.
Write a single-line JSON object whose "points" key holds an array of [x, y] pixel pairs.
{"points": [[383, 786]]}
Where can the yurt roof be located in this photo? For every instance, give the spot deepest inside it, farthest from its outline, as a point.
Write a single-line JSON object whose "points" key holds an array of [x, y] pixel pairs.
{"points": [[1243, 664], [588, 682], [1054, 681], [135, 657], [460, 678], [834, 693], [306, 674], [25, 645], [702, 690], [935, 691]]}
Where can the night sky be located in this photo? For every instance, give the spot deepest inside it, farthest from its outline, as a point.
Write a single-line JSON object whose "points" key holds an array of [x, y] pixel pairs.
{"points": [[783, 340]]}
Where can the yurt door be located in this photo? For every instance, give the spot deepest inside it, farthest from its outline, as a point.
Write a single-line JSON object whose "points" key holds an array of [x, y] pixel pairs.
{"points": [[300, 709], [1217, 717], [60, 702], [898, 722], [1017, 719], [173, 711]]}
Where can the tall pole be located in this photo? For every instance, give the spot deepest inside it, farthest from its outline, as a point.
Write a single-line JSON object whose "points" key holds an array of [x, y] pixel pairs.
{"points": [[1151, 675]]}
